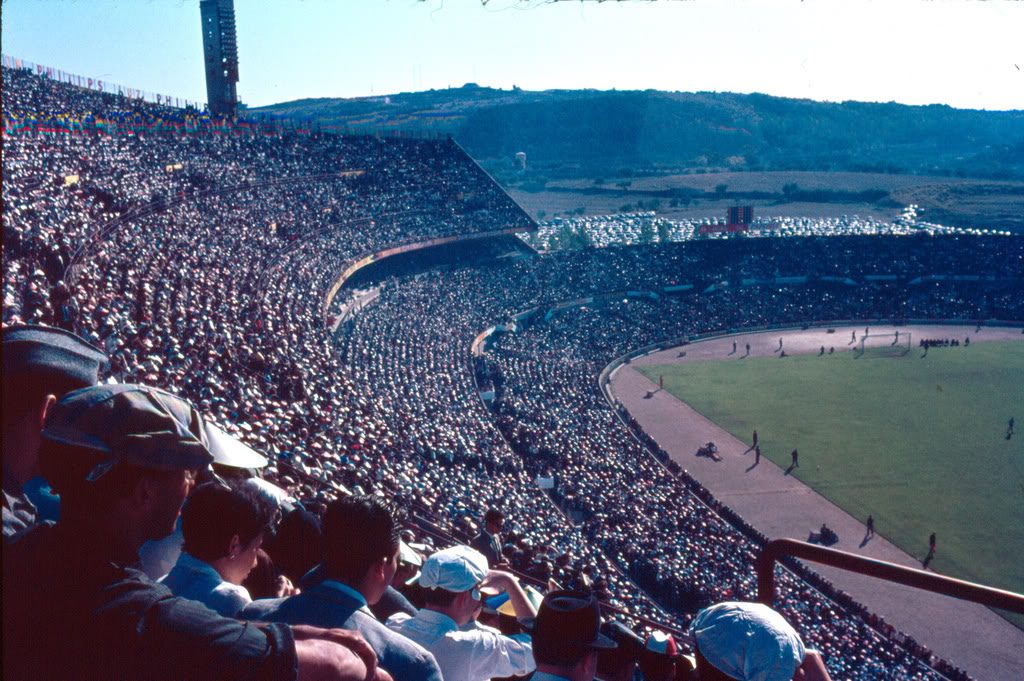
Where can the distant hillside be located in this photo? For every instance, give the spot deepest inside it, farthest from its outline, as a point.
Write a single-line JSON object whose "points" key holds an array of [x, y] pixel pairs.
{"points": [[587, 133]]}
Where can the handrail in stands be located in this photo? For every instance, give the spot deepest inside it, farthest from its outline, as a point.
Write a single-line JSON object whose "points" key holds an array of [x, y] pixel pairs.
{"points": [[900, 574]]}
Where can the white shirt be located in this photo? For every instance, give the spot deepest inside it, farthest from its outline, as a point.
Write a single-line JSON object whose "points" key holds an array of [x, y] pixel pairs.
{"points": [[475, 654]]}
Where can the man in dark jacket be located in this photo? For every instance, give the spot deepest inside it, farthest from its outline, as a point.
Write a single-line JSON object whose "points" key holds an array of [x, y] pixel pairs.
{"points": [[488, 542], [123, 459]]}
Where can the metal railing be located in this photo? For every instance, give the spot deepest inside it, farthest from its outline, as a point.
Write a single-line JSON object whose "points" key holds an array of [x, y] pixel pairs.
{"points": [[891, 572]]}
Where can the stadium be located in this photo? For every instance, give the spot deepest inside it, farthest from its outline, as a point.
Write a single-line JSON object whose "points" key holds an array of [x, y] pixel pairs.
{"points": [[369, 313]]}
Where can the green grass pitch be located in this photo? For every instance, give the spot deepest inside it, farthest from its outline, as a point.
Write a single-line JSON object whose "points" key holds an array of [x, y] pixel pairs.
{"points": [[918, 443]]}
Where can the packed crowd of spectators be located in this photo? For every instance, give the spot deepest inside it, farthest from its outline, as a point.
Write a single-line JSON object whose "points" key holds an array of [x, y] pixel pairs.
{"points": [[648, 227], [198, 255]]}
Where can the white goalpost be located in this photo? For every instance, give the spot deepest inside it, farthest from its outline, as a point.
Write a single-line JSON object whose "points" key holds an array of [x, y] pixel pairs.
{"points": [[885, 344]]}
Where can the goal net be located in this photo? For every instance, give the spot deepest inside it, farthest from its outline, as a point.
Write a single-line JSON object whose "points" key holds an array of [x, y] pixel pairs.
{"points": [[894, 344]]}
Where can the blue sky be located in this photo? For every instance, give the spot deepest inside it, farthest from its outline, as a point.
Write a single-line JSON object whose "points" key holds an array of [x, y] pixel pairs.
{"points": [[964, 53]]}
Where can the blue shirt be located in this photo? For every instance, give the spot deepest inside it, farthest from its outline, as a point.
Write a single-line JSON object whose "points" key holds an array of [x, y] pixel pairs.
{"points": [[197, 580], [348, 591]]}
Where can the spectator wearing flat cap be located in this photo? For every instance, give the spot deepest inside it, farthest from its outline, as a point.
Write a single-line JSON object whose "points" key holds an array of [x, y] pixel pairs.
{"points": [[567, 637], [452, 580], [361, 546], [123, 458], [41, 364], [223, 527], [751, 642]]}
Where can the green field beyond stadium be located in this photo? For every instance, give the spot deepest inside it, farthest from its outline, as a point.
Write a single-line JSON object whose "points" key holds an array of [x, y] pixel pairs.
{"points": [[918, 443]]}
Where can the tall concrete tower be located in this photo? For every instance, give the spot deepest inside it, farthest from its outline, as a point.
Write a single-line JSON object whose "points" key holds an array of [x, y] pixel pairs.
{"points": [[220, 49]]}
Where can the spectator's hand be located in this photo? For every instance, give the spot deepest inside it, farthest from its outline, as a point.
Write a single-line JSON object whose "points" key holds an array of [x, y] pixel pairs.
{"points": [[507, 582], [351, 640], [498, 579], [323, 660], [382, 675], [285, 588]]}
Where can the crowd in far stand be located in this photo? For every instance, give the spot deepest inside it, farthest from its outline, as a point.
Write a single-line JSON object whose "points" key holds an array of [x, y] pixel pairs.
{"points": [[198, 254]]}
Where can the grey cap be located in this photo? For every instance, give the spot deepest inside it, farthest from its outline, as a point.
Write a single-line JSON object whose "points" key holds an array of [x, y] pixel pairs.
{"points": [[131, 424], [51, 353]]}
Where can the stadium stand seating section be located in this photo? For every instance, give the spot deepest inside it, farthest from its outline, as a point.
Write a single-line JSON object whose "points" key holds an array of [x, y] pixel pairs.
{"points": [[198, 252]]}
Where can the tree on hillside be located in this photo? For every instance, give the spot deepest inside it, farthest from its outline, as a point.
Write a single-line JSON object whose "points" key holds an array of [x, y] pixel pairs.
{"points": [[569, 238], [647, 233]]}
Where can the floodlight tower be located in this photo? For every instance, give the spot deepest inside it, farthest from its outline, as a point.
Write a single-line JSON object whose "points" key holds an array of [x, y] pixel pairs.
{"points": [[220, 49]]}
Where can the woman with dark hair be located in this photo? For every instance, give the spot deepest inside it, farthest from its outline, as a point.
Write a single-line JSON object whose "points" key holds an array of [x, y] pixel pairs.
{"points": [[297, 546], [223, 529]]}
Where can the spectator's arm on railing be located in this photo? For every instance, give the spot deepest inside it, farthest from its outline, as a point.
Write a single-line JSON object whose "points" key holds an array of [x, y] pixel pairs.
{"points": [[321, 660], [812, 669], [335, 654]]}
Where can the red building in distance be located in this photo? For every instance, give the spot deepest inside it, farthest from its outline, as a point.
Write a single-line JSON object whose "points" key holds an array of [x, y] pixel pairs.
{"points": [[738, 219]]}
